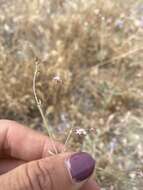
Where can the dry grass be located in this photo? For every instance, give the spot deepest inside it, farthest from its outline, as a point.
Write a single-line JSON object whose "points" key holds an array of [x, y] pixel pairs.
{"points": [[96, 48]]}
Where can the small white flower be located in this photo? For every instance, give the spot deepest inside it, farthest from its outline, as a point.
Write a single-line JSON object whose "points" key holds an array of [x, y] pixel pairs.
{"points": [[119, 23], [81, 131], [139, 173], [57, 79]]}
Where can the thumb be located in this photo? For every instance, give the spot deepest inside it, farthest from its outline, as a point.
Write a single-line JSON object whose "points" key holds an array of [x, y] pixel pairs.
{"points": [[59, 172]]}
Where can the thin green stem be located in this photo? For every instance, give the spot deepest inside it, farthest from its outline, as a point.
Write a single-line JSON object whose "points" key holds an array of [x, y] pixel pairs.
{"points": [[68, 138], [38, 102]]}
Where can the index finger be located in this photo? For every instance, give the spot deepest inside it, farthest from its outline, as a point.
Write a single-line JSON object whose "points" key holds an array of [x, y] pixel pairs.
{"points": [[23, 143]]}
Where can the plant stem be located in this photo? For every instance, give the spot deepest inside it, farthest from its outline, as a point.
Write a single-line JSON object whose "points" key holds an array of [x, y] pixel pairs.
{"points": [[38, 102]]}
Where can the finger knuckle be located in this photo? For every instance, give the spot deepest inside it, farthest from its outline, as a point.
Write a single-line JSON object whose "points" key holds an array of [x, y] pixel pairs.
{"points": [[28, 179], [44, 177], [40, 177]]}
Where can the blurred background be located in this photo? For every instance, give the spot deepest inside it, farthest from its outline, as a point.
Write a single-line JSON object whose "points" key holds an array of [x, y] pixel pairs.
{"points": [[89, 78]]}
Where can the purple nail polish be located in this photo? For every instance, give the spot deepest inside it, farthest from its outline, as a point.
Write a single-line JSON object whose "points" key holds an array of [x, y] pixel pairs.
{"points": [[81, 166]]}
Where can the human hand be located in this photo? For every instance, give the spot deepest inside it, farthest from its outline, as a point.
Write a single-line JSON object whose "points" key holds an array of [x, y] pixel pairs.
{"points": [[25, 162]]}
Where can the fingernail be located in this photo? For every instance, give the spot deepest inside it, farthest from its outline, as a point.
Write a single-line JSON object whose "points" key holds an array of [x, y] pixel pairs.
{"points": [[81, 166]]}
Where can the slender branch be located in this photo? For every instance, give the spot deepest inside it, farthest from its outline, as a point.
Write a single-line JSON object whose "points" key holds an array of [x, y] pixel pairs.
{"points": [[38, 102], [124, 55], [68, 138]]}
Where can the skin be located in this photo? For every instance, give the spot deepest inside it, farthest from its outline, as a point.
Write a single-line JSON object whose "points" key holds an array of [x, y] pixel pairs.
{"points": [[20, 148]]}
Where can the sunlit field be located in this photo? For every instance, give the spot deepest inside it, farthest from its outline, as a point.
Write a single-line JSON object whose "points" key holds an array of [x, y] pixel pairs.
{"points": [[89, 81]]}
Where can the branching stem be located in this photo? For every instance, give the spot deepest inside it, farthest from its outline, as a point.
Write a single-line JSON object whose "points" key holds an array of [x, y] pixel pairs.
{"points": [[38, 102]]}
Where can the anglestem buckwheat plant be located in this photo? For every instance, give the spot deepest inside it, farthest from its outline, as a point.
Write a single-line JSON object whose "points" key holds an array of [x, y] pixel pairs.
{"points": [[91, 72], [38, 102]]}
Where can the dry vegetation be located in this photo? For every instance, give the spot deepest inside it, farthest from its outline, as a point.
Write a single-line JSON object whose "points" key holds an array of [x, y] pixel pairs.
{"points": [[96, 48]]}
